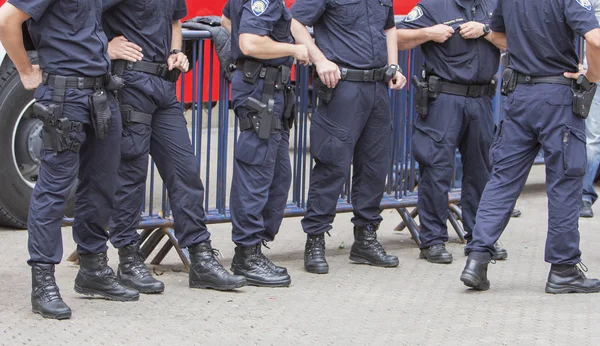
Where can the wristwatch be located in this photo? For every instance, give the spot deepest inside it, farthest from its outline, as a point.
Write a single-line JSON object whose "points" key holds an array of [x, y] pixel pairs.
{"points": [[175, 51], [486, 30], [396, 68]]}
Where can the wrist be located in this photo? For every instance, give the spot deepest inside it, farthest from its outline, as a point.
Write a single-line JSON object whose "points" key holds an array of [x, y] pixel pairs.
{"points": [[25, 70], [175, 51], [486, 30]]}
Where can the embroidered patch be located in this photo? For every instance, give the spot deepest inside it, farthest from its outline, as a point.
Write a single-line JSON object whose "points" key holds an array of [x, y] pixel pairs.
{"points": [[585, 4], [259, 6], [414, 14]]}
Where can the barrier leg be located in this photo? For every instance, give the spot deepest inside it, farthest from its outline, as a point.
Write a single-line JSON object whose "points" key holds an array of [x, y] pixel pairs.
{"points": [[456, 210], [455, 216], [183, 254], [402, 225], [152, 242], [73, 257], [410, 224]]}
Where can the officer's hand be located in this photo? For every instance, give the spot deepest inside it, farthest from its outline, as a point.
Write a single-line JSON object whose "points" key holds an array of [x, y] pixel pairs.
{"points": [[575, 75], [120, 48], [328, 72], [440, 33], [178, 61], [471, 30], [32, 77], [398, 82], [301, 54]]}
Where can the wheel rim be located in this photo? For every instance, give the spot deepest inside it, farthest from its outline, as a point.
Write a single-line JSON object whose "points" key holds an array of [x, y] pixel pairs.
{"points": [[26, 145]]}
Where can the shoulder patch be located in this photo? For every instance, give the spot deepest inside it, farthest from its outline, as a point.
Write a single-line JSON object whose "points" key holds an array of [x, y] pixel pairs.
{"points": [[585, 4], [415, 13], [259, 6]]}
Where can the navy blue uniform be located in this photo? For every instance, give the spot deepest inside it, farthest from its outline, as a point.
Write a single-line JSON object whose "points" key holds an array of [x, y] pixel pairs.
{"points": [[540, 38], [148, 23], [261, 169], [453, 121], [70, 42], [356, 126]]}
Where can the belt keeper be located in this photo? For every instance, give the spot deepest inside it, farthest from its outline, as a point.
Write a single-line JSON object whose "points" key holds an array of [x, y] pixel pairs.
{"points": [[344, 72], [80, 83], [263, 72], [366, 76], [129, 65]]}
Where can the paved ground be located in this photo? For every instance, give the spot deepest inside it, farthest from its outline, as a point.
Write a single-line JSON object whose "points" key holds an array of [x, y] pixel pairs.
{"points": [[415, 304]]}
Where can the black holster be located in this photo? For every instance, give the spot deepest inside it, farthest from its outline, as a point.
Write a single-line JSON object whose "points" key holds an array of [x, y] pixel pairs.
{"points": [[57, 129], [583, 95], [275, 79], [509, 81], [289, 112], [324, 93], [421, 96], [100, 112]]}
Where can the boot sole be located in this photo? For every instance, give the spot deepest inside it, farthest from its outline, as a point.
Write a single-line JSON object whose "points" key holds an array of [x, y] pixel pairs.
{"points": [[63, 316], [317, 270], [471, 280], [96, 293], [216, 287], [561, 289], [257, 283], [361, 260], [437, 261], [500, 257]]}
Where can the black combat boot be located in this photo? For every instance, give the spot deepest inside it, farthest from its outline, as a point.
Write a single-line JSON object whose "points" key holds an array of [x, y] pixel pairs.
{"points": [[275, 268], [207, 272], [96, 278], [45, 296], [564, 278], [366, 249], [436, 254], [314, 255], [251, 263], [475, 273], [133, 273]]}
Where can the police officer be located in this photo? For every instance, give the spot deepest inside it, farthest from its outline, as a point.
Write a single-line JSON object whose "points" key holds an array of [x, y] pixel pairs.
{"points": [[542, 112], [356, 59], [146, 47], [456, 89], [263, 48], [80, 138]]}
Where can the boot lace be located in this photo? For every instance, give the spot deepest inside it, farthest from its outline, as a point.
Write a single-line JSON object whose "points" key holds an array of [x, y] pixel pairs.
{"points": [[316, 247], [211, 261], [106, 272], [137, 266], [371, 239], [49, 289], [582, 269]]}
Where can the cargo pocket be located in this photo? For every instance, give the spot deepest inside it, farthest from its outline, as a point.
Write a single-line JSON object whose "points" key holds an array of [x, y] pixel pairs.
{"points": [[328, 140], [252, 150], [574, 155], [135, 141], [425, 140]]}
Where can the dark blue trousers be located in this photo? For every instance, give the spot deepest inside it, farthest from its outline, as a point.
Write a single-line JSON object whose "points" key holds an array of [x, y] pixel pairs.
{"points": [[261, 172], [536, 116], [168, 141], [96, 168], [453, 122], [354, 128]]}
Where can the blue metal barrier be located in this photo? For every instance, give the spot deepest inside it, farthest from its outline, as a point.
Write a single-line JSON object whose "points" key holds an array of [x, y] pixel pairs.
{"points": [[213, 133]]}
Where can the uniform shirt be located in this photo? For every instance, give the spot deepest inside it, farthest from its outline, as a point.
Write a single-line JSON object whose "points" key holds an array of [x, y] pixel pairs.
{"points": [[540, 34], [350, 33], [259, 17], [67, 35], [472, 61], [147, 23]]}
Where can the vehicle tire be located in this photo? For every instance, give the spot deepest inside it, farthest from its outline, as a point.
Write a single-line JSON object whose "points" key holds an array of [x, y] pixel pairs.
{"points": [[19, 148]]}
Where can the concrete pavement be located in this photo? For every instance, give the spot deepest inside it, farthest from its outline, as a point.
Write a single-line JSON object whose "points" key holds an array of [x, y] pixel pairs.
{"points": [[417, 303]]}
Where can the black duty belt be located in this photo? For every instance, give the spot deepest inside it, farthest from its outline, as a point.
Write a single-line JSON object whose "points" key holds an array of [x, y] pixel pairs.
{"points": [[351, 75], [157, 69], [473, 91], [239, 65], [75, 82], [524, 79]]}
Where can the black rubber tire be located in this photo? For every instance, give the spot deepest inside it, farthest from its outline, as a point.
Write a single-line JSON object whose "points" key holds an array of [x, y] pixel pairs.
{"points": [[15, 195]]}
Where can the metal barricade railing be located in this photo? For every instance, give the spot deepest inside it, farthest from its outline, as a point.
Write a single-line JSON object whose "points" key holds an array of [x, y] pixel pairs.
{"points": [[214, 131]]}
